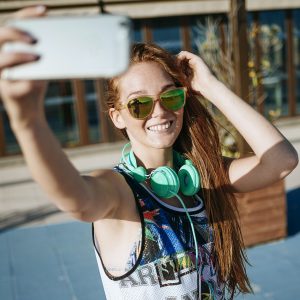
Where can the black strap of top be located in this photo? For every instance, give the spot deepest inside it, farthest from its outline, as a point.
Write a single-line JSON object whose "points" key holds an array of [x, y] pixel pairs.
{"points": [[134, 185]]}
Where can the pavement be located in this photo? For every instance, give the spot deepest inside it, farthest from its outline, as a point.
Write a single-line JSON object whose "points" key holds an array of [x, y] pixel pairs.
{"points": [[275, 270], [49, 262], [57, 261]]}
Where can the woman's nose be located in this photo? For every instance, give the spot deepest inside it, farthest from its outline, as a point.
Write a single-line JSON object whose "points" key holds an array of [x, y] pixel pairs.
{"points": [[158, 108]]}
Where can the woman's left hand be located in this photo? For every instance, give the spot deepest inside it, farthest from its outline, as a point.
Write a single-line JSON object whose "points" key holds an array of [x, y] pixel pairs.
{"points": [[257, 171], [202, 76]]}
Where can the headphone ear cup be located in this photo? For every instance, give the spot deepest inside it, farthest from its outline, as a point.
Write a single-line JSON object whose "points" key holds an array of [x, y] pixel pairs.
{"points": [[164, 182], [189, 179], [139, 174]]}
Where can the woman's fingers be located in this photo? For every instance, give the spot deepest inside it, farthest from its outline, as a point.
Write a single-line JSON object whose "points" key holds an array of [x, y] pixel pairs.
{"points": [[12, 34], [197, 71], [9, 34], [186, 55], [13, 59], [30, 12], [195, 61], [183, 54], [192, 58]]}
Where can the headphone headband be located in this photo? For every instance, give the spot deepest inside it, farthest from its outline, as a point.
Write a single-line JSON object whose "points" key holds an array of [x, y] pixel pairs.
{"points": [[164, 181]]}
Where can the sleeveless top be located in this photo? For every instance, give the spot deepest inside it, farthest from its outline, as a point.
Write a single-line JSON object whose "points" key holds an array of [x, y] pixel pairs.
{"points": [[161, 265]]}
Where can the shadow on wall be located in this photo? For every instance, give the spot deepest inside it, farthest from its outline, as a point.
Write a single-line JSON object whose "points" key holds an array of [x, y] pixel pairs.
{"points": [[293, 211]]}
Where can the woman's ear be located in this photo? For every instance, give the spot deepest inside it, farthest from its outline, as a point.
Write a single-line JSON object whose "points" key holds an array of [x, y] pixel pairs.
{"points": [[117, 118]]}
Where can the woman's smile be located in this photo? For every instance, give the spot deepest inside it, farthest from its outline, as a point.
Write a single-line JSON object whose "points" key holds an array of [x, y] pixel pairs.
{"points": [[161, 127]]}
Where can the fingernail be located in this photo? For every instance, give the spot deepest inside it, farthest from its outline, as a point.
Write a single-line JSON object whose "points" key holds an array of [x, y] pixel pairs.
{"points": [[29, 38], [33, 57], [40, 8]]}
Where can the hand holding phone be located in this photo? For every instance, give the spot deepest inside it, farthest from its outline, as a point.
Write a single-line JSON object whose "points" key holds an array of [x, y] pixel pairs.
{"points": [[22, 99], [72, 47]]}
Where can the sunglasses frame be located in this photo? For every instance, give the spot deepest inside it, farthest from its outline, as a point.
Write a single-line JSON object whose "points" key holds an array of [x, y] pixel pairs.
{"points": [[154, 99]]}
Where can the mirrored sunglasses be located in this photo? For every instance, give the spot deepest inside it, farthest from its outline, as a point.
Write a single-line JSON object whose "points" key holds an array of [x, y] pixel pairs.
{"points": [[141, 107]]}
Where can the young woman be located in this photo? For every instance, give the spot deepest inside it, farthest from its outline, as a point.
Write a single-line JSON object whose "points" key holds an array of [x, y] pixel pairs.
{"points": [[165, 221]]}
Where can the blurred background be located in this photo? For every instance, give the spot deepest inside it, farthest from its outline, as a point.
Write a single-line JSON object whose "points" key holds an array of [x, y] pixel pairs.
{"points": [[254, 47]]}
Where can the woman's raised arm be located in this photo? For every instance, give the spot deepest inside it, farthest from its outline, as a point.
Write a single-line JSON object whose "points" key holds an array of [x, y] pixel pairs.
{"points": [[274, 156], [87, 198]]}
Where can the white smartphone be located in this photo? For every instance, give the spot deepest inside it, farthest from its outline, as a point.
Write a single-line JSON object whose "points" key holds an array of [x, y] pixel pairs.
{"points": [[72, 47]]}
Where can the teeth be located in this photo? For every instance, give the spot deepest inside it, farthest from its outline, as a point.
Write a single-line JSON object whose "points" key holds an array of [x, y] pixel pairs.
{"points": [[160, 127]]}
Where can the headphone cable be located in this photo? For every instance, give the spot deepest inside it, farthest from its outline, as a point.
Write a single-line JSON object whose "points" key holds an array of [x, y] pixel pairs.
{"points": [[195, 240]]}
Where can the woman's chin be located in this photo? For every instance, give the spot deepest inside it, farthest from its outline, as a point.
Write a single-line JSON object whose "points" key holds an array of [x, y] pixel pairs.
{"points": [[161, 143]]}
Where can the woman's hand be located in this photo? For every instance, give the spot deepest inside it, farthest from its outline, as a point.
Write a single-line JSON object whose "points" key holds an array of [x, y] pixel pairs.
{"points": [[23, 100], [202, 78]]}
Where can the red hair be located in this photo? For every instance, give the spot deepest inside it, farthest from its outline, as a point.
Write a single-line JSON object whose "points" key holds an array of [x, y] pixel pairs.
{"points": [[199, 141]]}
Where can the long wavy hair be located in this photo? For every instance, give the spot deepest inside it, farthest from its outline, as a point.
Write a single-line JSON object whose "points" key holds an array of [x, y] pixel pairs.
{"points": [[199, 142]]}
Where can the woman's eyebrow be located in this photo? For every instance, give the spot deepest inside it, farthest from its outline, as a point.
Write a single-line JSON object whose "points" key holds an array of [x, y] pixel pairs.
{"points": [[140, 92], [144, 92], [167, 86]]}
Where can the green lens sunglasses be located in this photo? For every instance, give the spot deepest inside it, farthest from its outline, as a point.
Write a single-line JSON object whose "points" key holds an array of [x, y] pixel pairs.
{"points": [[142, 106]]}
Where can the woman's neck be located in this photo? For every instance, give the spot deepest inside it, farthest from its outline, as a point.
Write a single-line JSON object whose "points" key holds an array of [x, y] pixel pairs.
{"points": [[153, 158]]}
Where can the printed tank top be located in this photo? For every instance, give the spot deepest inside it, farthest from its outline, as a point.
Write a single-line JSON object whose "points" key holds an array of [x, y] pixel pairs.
{"points": [[161, 265]]}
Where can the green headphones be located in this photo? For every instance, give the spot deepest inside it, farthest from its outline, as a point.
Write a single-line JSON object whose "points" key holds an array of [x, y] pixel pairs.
{"points": [[164, 181]]}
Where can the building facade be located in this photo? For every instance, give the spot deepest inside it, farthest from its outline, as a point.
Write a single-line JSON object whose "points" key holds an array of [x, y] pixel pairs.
{"points": [[76, 110]]}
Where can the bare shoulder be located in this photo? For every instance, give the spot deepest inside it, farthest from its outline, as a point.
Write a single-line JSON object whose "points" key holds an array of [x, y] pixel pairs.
{"points": [[111, 192], [107, 174]]}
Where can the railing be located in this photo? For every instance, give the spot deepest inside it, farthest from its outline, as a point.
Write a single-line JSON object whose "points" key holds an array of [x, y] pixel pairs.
{"points": [[76, 109]]}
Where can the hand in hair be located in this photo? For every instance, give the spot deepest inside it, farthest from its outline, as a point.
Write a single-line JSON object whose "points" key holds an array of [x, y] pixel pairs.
{"points": [[201, 74]]}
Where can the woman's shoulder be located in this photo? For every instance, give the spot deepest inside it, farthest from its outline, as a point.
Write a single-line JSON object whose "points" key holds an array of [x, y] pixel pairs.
{"points": [[115, 184]]}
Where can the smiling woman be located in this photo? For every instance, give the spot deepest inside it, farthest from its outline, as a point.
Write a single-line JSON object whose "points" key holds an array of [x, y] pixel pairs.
{"points": [[154, 71], [164, 220]]}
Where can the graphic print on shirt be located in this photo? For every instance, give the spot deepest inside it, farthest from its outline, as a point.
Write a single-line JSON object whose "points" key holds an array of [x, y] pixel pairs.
{"points": [[169, 246], [162, 262]]}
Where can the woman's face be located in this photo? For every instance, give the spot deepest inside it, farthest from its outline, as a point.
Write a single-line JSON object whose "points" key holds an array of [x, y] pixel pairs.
{"points": [[162, 127]]}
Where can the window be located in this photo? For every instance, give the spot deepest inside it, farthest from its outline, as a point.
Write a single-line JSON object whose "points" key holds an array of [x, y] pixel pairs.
{"points": [[11, 145], [198, 31], [296, 20], [273, 62], [60, 112], [137, 33], [92, 111], [166, 33]]}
